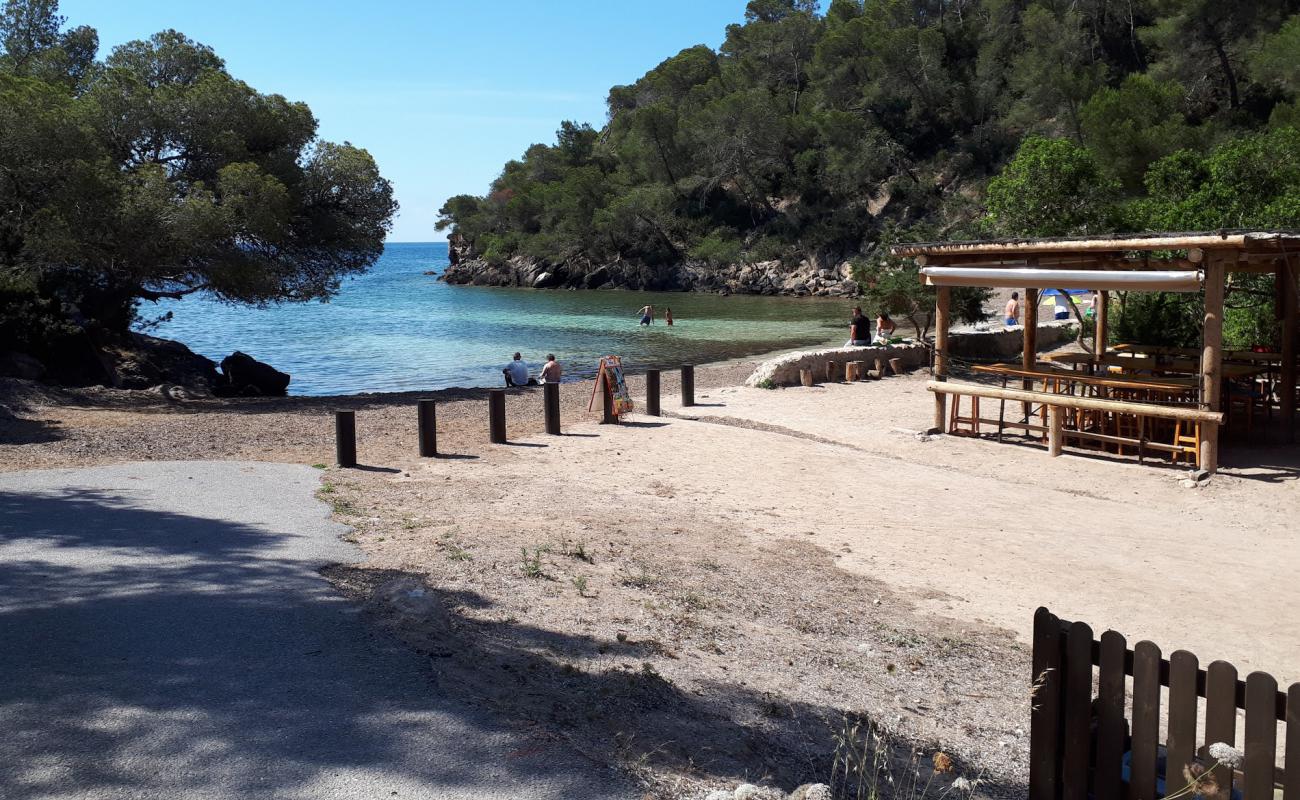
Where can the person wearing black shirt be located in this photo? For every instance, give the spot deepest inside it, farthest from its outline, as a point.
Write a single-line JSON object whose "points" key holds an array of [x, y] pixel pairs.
{"points": [[859, 329]]}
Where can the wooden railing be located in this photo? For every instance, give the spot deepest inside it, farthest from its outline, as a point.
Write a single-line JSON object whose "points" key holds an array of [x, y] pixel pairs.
{"points": [[1082, 743]]}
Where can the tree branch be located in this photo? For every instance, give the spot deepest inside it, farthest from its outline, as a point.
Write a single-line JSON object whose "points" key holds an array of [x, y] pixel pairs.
{"points": [[154, 296]]}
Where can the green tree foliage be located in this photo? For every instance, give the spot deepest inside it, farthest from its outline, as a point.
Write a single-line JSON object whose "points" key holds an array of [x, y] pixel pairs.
{"points": [[157, 174], [1249, 182], [818, 130], [1052, 187], [1134, 124]]}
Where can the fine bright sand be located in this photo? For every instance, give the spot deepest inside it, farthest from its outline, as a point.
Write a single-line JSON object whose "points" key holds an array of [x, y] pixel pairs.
{"points": [[707, 597]]}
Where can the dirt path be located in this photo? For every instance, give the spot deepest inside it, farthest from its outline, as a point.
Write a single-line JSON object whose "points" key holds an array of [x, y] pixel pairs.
{"points": [[707, 599]]}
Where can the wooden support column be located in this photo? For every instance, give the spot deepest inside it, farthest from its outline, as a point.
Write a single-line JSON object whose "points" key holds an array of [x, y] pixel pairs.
{"points": [[943, 300], [1212, 360], [1101, 318], [1031, 328], [1029, 358], [1290, 312]]}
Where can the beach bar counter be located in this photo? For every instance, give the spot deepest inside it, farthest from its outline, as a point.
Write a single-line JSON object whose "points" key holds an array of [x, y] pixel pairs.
{"points": [[1133, 396]]}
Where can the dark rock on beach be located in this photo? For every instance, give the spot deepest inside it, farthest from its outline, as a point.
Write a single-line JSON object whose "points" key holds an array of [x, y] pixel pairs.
{"points": [[245, 376], [132, 361], [21, 365], [142, 362]]}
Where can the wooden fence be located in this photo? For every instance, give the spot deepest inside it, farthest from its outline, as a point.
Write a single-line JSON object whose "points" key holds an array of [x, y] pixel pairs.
{"points": [[1083, 743]]}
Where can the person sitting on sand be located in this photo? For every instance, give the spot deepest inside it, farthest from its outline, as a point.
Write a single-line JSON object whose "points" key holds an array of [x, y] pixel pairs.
{"points": [[517, 373], [885, 328], [551, 370], [668, 317], [647, 315], [859, 329]]}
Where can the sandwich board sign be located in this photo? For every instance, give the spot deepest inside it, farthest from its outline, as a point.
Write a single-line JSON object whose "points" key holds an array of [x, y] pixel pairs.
{"points": [[610, 379]]}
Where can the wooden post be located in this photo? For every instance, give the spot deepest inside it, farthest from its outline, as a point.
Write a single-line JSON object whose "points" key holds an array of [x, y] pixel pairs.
{"points": [[859, 370], [688, 385], [833, 374], [851, 371], [1055, 430], [942, 302], [551, 407], [1212, 360], [1101, 319], [427, 418], [806, 377], [880, 367], [896, 366], [1289, 324], [1029, 358], [497, 416], [345, 438], [652, 393], [607, 415]]}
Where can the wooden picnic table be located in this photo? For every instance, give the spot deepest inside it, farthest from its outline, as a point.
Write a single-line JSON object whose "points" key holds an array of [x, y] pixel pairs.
{"points": [[1165, 391], [1251, 356], [1173, 385], [1176, 365]]}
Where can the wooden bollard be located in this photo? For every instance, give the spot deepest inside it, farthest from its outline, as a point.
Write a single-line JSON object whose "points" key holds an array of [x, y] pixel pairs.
{"points": [[859, 370], [652, 392], [896, 366], [806, 377], [880, 368], [833, 373], [345, 438], [427, 416], [608, 417], [851, 371], [688, 385], [551, 407], [497, 416]]}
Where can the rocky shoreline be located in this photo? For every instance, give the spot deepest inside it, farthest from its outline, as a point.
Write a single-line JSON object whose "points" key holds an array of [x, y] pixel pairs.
{"points": [[811, 277]]}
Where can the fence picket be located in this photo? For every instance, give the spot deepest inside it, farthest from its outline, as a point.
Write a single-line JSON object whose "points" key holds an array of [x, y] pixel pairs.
{"points": [[1292, 791], [1146, 721], [1181, 742], [1078, 712], [1260, 735], [1045, 709], [1111, 727], [1220, 716]]}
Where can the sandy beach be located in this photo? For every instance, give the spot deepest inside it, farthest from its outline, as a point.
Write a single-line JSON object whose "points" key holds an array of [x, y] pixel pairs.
{"points": [[711, 596]]}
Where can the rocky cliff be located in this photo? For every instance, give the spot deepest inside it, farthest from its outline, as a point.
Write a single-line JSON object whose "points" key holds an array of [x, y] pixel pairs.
{"points": [[810, 277]]}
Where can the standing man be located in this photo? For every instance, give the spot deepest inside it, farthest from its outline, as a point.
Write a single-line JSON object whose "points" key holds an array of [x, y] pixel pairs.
{"points": [[647, 315], [1013, 310], [859, 329]]}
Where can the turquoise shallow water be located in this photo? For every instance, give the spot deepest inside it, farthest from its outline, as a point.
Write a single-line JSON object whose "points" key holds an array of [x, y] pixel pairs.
{"points": [[397, 329]]}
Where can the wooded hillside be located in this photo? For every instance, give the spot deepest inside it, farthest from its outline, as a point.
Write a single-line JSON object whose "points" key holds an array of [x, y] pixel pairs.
{"points": [[816, 134]]}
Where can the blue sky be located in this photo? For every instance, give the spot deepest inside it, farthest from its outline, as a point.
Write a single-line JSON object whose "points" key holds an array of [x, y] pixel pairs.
{"points": [[442, 93]]}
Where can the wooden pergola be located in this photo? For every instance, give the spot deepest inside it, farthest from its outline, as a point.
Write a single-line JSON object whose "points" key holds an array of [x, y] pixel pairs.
{"points": [[1155, 262]]}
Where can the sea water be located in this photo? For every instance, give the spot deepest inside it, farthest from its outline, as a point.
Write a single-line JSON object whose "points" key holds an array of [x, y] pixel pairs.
{"points": [[397, 328]]}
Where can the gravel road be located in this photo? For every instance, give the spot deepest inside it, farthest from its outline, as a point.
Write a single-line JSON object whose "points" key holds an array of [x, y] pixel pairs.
{"points": [[164, 633]]}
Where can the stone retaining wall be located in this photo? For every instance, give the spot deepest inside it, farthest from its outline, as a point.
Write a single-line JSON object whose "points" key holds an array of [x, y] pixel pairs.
{"points": [[976, 345]]}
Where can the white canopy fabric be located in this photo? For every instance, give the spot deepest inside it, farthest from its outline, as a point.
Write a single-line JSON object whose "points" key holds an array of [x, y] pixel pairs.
{"points": [[998, 278]]}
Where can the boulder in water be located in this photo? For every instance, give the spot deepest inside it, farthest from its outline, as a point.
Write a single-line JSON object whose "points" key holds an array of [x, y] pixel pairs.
{"points": [[245, 376], [546, 280]]}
